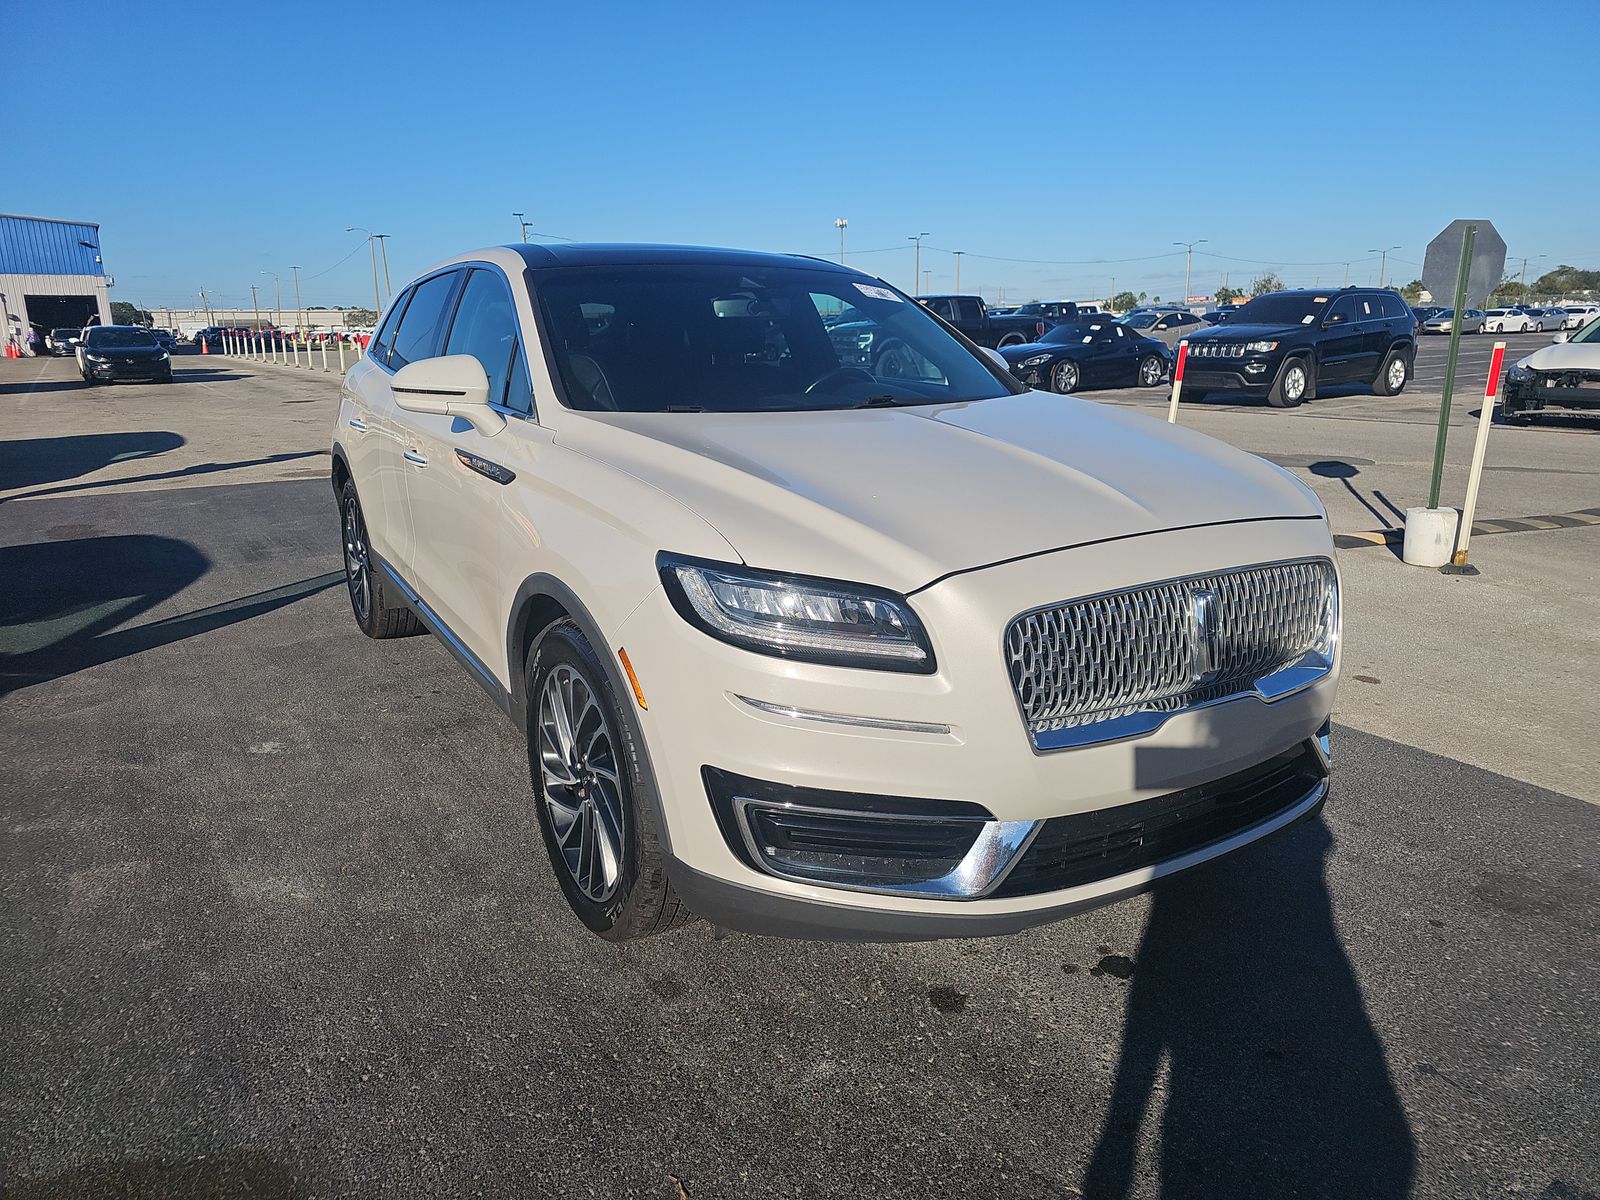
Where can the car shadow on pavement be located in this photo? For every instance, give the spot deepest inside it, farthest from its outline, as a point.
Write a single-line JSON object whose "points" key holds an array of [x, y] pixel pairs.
{"points": [[31, 462], [183, 473], [70, 601], [1276, 1080], [229, 1173]]}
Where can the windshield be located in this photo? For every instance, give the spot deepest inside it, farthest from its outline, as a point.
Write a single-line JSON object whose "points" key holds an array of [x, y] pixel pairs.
{"points": [[1589, 333], [1283, 308], [120, 339], [1072, 331], [1141, 320], [63, 333], [713, 338]]}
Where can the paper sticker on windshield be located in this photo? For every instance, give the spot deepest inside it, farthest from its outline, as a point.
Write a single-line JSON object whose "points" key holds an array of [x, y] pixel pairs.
{"points": [[1087, 338], [1308, 318], [876, 293], [1320, 300]]}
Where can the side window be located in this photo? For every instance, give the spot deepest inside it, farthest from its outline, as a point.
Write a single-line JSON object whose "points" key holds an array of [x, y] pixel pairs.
{"points": [[422, 324], [1345, 307], [384, 338], [944, 308], [969, 310], [1368, 308], [486, 328]]}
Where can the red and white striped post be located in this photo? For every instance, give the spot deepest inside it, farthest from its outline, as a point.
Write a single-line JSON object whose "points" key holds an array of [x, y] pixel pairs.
{"points": [[1177, 380], [1491, 395]]}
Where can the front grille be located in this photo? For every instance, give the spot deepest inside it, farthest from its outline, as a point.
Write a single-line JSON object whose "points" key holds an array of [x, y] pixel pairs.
{"points": [[1216, 349], [1086, 847], [1164, 647]]}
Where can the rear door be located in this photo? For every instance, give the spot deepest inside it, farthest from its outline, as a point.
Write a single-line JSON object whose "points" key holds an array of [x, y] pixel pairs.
{"points": [[1373, 322]]}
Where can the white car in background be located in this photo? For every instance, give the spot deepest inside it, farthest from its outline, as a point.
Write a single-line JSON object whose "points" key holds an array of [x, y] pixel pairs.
{"points": [[819, 642], [1517, 318], [1579, 315]]}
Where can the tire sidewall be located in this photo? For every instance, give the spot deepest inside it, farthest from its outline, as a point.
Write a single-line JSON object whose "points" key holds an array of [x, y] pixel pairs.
{"points": [[1077, 378], [566, 644]]}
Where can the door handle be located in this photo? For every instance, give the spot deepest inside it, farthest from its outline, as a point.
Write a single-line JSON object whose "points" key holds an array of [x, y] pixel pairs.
{"points": [[358, 424], [412, 456]]}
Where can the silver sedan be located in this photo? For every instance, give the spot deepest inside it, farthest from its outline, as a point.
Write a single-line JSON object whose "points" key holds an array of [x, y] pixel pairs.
{"points": [[1471, 321]]}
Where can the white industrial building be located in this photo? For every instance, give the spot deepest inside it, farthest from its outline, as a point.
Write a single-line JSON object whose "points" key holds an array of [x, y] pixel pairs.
{"points": [[51, 276]]}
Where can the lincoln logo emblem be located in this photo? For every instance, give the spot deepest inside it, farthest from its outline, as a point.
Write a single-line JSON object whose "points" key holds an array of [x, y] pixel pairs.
{"points": [[1207, 641]]}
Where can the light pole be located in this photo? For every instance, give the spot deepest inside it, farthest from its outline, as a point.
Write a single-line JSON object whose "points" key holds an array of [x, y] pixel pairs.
{"points": [[1347, 275], [206, 304], [958, 254], [927, 281], [841, 224], [299, 313], [522, 224], [1383, 262], [377, 300], [1188, 261], [255, 303], [277, 291], [383, 251], [916, 272]]}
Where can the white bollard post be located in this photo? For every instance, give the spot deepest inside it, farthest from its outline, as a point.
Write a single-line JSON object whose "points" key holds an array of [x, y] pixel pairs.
{"points": [[341, 356], [1491, 394], [1177, 381], [324, 356], [294, 349]]}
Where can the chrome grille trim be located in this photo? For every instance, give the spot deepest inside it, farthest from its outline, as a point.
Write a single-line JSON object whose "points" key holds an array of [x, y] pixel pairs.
{"points": [[1122, 663]]}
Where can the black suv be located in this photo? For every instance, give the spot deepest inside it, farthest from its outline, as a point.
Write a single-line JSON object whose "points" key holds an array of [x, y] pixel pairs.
{"points": [[1286, 345]]}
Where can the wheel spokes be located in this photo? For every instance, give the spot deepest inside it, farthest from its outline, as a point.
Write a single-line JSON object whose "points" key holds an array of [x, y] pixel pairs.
{"points": [[581, 783]]}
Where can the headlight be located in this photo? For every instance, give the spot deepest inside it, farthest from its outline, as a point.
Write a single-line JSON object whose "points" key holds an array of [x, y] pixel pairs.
{"points": [[1261, 347], [1038, 360], [1518, 374], [163, 355], [795, 616], [94, 358]]}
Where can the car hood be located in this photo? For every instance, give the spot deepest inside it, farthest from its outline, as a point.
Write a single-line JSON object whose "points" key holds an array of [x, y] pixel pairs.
{"points": [[126, 352], [900, 497], [1564, 356], [1236, 330], [1015, 354]]}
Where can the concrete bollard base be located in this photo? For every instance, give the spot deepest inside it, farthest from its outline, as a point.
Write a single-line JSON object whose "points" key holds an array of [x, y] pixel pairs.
{"points": [[1430, 536]]}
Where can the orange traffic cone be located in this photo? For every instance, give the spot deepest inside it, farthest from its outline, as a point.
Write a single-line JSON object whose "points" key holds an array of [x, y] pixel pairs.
{"points": [[204, 346]]}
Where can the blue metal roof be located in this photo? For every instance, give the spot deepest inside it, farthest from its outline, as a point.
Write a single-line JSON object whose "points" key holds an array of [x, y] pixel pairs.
{"points": [[39, 246]]}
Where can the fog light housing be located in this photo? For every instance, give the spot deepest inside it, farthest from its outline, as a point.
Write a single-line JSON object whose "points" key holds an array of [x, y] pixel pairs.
{"points": [[946, 849]]}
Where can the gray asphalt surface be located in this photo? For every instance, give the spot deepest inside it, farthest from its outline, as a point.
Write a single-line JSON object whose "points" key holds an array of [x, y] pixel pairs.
{"points": [[277, 923]]}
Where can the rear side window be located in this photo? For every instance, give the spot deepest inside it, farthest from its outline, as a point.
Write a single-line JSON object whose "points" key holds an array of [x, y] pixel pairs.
{"points": [[486, 328], [422, 324], [970, 311], [385, 335]]}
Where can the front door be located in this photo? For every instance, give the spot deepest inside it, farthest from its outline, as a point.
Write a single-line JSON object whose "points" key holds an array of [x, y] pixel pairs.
{"points": [[1341, 342]]}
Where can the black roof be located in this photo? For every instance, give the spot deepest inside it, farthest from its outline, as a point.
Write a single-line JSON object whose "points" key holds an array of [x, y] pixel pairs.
{"points": [[614, 254]]}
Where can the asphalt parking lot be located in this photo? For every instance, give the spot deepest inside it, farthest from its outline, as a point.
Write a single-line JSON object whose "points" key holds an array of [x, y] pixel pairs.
{"points": [[278, 922]]}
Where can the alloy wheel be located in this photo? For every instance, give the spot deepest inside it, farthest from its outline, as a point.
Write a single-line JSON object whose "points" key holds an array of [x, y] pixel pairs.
{"points": [[357, 559], [1397, 373], [1065, 377], [1150, 372], [580, 781], [1294, 382]]}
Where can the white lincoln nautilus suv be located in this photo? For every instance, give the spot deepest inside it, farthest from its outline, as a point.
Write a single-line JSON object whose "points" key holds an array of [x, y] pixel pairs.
{"points": [[817, 621]]}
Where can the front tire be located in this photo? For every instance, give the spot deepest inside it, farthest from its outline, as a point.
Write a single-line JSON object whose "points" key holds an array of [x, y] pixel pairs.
{"points": [[369, 591], [595, 806], [1392, 376], [1291, 386], [1151, 369], [1065, 377]]}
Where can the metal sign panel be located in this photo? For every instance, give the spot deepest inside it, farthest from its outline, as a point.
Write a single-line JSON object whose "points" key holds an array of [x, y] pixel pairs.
{"points": [[1443, 260]]}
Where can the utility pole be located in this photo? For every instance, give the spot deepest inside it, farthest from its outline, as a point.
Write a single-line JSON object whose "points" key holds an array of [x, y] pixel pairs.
{"points": [[1111, 304], [916, 272], [958, 253], [255, 303], [1522, 277], [207, 305], [522, 224], [841, 224], [1188, 262], [1347, 275], [1383, 263], [927, 282], [377, 300], [383, 249], [299, 313]]}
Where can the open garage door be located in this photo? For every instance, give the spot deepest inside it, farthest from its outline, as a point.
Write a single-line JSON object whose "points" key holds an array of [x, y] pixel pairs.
{"points": [[60, 312]]}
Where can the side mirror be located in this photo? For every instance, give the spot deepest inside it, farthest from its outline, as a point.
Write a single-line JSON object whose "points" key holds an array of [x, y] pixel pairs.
{"points": [[452, 386], [1335, 319], [1560, 337], [997, 358]]}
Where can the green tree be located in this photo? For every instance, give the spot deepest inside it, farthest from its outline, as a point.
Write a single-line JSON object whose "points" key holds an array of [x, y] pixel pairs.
{"points": [[1567, 281], [360, 316], [123, 313], [1412, 291], [1262, 284], [1123, 301], [1142, 297], [1226, 294]]}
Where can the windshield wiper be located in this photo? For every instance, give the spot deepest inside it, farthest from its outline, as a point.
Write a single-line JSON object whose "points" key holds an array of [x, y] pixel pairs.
{"points": [[884, 400], [672, 408]]}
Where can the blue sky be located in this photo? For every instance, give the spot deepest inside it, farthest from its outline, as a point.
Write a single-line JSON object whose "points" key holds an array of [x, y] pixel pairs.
{"points": [[1086, 132]]}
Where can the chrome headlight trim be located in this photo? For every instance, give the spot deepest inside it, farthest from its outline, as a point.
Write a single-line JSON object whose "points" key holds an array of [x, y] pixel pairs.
{"points": [[773, 613]]}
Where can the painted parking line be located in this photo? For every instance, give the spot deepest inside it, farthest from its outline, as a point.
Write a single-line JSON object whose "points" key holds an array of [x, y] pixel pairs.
{"points": [[1393, 537]]}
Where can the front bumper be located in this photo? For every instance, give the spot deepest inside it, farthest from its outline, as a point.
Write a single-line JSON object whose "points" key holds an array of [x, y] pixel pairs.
{"points": [[131, 371], [1251, 375], [1563, 389], [955, 737]]}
